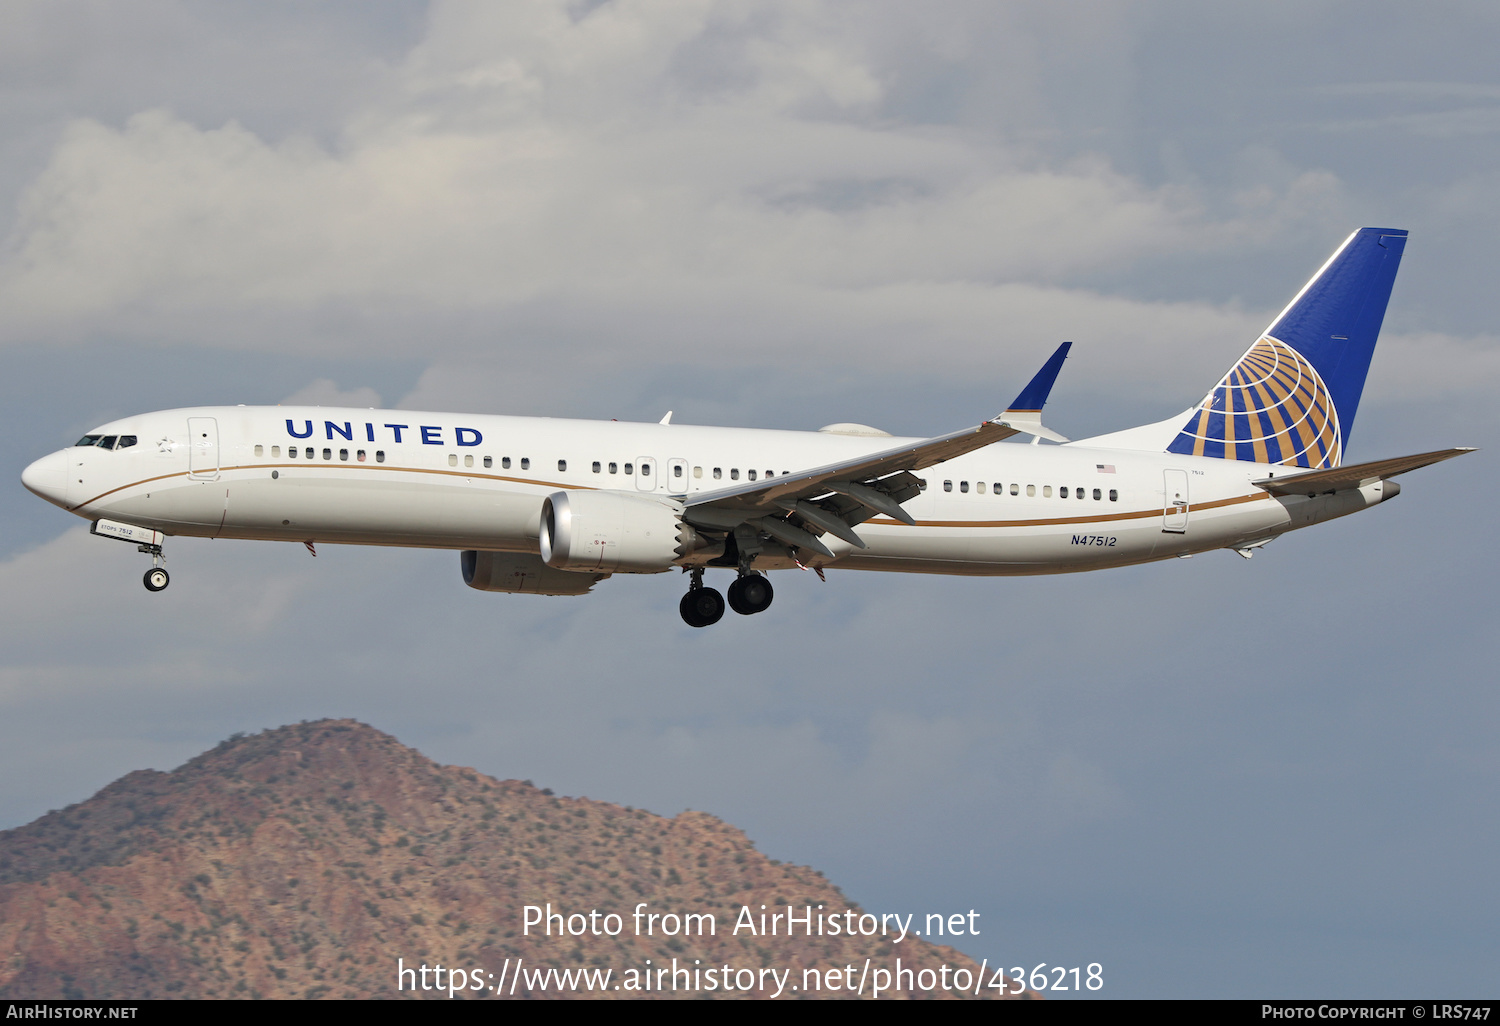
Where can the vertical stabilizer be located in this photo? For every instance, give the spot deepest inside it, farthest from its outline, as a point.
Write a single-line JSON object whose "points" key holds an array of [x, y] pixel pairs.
{"points": [[1291, 399]]}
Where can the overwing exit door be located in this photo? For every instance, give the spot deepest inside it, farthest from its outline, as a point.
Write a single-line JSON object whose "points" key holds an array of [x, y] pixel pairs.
{"points": [[645, 474]]}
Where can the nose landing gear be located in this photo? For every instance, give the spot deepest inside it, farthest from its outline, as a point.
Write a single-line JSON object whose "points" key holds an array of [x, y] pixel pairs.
{"points": [[156, 578]]}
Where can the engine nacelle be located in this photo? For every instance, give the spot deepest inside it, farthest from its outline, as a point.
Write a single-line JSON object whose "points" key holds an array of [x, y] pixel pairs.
{"points": [[522, 573], [610, 531]]}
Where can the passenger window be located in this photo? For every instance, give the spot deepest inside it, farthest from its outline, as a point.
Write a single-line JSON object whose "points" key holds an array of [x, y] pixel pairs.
{"points": [[963, 486], [328, 454], [1062, 493], [922, 483], [614, 468], [947, 486], [468, 458], [734, 473], [504, 462], [979, 487], [562, 465], [108, 441], [698, 472], [1031, 490], [751, 474], [344, 455], [718, 473], [1046, 491], [489, 461], [598, 466], [646, 468], [360, 455], [260, 450], [291, 452], [677, 470], [1114, 495], [770, 473], [630, 468], [379, 455], [1079, 492], [453, 459], [1096, 494], [525, 462], [1015, 489], [275, 451], [126, 441]]}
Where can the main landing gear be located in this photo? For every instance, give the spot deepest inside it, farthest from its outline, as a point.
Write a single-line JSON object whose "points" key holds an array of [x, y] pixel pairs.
{"points": [[751, 593], [701, 606]]}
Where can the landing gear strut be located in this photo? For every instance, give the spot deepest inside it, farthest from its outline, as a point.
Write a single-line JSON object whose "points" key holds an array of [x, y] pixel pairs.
{"points": [[701, 606]]}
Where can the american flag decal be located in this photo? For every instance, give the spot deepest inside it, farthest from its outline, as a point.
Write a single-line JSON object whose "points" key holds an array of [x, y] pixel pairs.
{"points": [[1105, 468]]}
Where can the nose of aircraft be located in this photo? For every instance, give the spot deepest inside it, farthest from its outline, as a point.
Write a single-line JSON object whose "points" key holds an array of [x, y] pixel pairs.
{"points": [[48, 477]]}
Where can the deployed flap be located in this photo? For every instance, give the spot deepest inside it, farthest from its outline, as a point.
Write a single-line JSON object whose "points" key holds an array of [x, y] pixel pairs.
{"points": [[1354, 475], [766, 496], [1025, 413]]}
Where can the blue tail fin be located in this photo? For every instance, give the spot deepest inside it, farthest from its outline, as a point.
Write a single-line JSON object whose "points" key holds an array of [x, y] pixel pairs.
{"points": [[1291, 398]]}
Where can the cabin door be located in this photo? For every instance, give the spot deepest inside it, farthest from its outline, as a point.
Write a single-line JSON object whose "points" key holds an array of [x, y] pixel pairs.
{"points": [[1174, 513], [203, 448]]}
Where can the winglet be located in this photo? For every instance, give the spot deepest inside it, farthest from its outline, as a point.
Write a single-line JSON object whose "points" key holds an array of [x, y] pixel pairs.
{"points": [[1025, 413]]}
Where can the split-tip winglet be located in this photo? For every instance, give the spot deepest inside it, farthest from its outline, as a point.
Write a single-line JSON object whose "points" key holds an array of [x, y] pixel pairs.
{"points": [[1025, 413]]}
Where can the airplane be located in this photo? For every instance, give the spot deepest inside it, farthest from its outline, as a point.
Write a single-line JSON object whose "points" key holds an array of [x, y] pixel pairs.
{"points": [[551, 507]]}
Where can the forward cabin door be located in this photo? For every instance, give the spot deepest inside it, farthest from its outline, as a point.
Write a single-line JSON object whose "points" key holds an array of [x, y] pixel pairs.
{"points": [[1174, 513], [203, 448]]}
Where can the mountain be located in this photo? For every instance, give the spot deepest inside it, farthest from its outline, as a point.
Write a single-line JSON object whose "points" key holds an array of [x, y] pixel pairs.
{"points": [[306, 861]]}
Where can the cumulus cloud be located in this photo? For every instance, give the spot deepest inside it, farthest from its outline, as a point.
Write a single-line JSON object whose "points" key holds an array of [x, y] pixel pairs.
{"points": [[577, 179]]}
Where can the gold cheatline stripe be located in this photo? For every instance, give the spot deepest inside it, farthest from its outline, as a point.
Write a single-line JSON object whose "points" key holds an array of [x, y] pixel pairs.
{"points": [[885, 521], [341, 466]]}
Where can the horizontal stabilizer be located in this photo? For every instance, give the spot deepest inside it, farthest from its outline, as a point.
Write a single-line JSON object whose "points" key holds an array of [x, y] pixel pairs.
{"points": [[1025, 413], [1354, 475]]}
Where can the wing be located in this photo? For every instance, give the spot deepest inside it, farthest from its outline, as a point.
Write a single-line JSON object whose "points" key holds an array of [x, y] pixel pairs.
{"points": [[796, 508], [1353, 475]]}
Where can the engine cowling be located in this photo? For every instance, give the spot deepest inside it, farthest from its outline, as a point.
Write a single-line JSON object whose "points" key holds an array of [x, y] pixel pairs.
{"points": [[522, 573], [612, 532]]}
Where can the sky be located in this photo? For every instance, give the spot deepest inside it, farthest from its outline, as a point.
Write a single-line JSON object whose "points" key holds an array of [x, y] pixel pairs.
{"points": [[787, 215]]}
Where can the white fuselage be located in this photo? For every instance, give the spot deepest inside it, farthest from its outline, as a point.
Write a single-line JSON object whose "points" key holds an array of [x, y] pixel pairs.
{"points": [[451, 481]]}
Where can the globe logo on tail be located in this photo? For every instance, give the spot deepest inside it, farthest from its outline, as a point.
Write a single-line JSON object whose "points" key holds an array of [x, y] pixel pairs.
{"points": [[1272, 407]]}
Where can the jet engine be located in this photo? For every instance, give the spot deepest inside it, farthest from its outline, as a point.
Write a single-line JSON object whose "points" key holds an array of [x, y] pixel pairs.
{"points": [[609, 531], [521, 573]]}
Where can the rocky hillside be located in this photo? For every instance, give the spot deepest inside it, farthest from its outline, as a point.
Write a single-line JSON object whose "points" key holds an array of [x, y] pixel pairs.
{"points": [[305, 861]]}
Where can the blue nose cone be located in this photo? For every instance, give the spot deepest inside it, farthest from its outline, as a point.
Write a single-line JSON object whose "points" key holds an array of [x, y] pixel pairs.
{"points": [[48, 477]]}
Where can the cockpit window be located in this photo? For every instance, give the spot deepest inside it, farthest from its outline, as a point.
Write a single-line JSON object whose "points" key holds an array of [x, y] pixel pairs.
{"points": [[87, 440], [107, 442], [125, 442]]}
